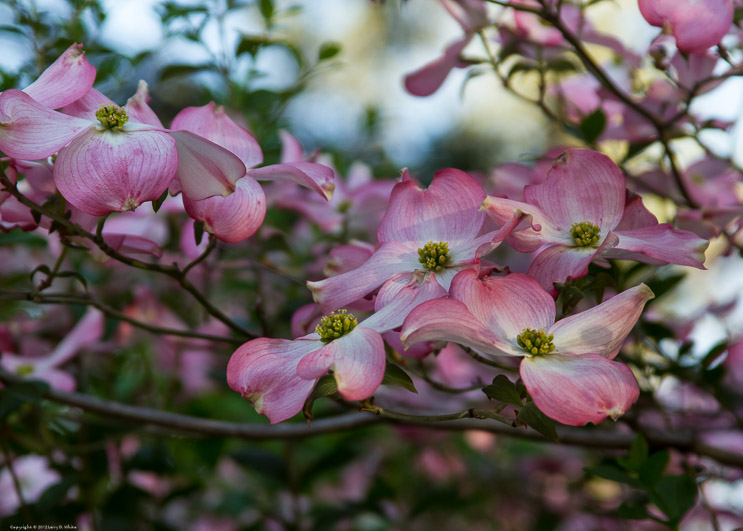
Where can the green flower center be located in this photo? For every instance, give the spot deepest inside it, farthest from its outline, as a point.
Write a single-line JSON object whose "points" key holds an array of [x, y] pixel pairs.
{"points": [[335, 325], [434, 256], [25, 369], [536, 341], [585, 233], [112, 116]]}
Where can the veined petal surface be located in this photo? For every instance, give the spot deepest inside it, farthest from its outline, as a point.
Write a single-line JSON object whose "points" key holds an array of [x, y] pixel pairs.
{"points": [[576, 390], [264, 372], [65, 80], [314, 176], [447, 211], [104, 171], [602, 329]]}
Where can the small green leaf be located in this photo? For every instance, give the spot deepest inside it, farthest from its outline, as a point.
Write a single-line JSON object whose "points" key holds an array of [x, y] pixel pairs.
{"points": [[521, 66], [157, 203], [535, 419], [632, 511], [198, 231], [638, 454], [612, 472], [328, 50], [503, 390], [172, 71], [652, 469], [592, 126], [267, 9], [326, 386], [43, 268], [77, 276], [714, 354], [675, 495], [394, 375]]}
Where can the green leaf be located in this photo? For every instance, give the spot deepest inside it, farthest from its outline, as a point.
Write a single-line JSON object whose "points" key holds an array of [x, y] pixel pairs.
{"points": [[267, 9], [77, 276], [251, 44], [198, 231], [394, 375], [714, 354], [503, 390], [638, 454], [592, 126], [43, 268], [612, 472], [328, 50], [326, 386], [157, 203], [652, 469], [632, 511], [535, 419], [675, 495], [521, 66]]}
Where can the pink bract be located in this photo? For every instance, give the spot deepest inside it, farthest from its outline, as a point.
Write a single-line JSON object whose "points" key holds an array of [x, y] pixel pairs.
{"points": [[575, 383], [585, 186], [696, 24]]}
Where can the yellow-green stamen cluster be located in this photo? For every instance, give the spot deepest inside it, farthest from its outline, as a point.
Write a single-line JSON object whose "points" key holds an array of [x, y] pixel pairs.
{"points": [[335, 325], [24, 369], [112, 116], [585, 233], [434, 256], [536, 341]]}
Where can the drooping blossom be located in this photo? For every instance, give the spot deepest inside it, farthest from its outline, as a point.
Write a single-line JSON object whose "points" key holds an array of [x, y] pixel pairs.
{"points": [[472, 16], [426, 237], [697, 25], [580, 213], [236, 216], [277, 375], [567, 365], [86, 332]]}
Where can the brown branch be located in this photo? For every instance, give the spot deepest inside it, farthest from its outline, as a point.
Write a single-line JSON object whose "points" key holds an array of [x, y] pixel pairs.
{"points": [[90, 300], [172, 271], [583, 437]]}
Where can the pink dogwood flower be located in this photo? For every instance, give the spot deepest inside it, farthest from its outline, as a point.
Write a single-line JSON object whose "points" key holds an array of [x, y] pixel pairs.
{"points": [[426, 237], [696, 24], [236, 216], [277, 375], [567, 365], [580, 213]]}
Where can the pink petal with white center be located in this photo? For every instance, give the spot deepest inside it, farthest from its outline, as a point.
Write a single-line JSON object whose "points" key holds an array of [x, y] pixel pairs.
{"points": [[204, 168], [602, 329], [112, 171], [696, 25], [291, 149], [213, 123], [264, 372], [450, 320], [447, 211], [505, 305], [65, 80], [576, 390], [399, 295], [87, 106], [664, 243], [232, 218], [558, 263], [308, 174], [539, 231], [389, 260], [427, 80], [138, 109], [30, 131], [583, 185], [357, 360]]}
